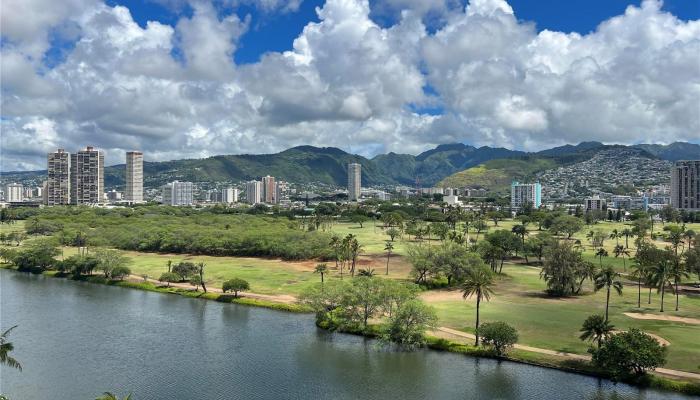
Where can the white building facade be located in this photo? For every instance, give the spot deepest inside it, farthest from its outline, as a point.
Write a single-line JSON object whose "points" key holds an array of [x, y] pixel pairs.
{"points": [[177, 193]]}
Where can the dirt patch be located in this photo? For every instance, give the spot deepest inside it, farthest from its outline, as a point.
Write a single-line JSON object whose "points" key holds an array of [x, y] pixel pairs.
{"points": [[671, 318]]}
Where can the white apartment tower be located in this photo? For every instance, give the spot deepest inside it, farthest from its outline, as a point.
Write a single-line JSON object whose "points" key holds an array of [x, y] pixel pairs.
{"points": [[229, 195], [177, 193], [133, 192], [685, 185], [87, 176], [354, 181], [253, 192], [14, 192], [58, 178]]}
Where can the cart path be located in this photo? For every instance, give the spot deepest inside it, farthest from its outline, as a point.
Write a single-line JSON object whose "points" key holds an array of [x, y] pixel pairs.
{"points": [[664, 371]]}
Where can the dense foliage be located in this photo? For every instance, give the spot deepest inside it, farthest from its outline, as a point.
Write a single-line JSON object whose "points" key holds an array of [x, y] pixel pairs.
{"points": [[499, 336], [631, 352], [180, 230]]}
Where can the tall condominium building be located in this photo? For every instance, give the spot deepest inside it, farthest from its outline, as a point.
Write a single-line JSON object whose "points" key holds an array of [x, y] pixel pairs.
{"points": [[229, 195], [253, 192], [14, 192], [523, 193], [281, 192], [87, 176], [58, 178], [177, 193], [269, 190], [133, 191], [685, 185], [354, 181]]}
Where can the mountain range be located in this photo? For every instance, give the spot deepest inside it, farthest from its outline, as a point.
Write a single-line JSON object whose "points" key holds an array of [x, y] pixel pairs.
{"points": [[328, 165]]}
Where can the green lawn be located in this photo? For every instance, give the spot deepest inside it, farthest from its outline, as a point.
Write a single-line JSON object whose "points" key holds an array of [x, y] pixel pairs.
{"points": [[14, 227], [554, 323]]}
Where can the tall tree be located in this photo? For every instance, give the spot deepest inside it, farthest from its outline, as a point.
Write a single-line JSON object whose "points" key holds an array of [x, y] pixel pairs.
{"points": [[600, 254], [478, 283], [388, 247], [621, 251], [608, 278], [321, 269], [662, 274]]}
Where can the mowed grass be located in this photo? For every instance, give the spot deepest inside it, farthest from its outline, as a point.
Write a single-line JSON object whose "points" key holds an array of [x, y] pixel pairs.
{"points": [[554, 323], [16, 226], [266, 276]]}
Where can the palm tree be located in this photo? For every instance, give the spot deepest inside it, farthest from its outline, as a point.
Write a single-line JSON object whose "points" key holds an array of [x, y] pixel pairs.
{"points": [[479, 283], [641, 272], [596, 328], [335, 244], [627, 233], [5, 348], [678, 272], [589, 236], [620, 250], [112, 396], [615, 235], [689, 236], [600, 254], [608, 278], [661, 275], [321, 269], [388, 247]]}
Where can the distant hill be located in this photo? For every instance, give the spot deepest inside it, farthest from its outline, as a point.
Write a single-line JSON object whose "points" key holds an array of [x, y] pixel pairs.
{"points": [[496, 175], [328, 165], [674, 151]]}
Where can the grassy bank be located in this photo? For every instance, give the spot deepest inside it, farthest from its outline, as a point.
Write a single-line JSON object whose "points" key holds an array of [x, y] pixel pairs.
{"points": [[150, 287], [576, 366]]}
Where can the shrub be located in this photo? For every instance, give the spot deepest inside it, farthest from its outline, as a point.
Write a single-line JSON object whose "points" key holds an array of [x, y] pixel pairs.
{"points": [[499, 335], [235, 285], [632, 352], [120, 272]]}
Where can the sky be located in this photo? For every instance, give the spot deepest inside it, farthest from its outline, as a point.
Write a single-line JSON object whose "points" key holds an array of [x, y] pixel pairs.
{"points": [[195, 78]]}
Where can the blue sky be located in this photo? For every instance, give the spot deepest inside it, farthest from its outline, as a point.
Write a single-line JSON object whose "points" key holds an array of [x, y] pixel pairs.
{"points": [[276, 31]]}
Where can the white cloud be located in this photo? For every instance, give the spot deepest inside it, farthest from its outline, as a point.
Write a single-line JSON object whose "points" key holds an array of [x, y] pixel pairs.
{"points": [[175, 91]]}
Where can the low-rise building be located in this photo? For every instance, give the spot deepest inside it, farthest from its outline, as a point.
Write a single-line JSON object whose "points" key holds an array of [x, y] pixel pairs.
{"points": [[595, 203]]}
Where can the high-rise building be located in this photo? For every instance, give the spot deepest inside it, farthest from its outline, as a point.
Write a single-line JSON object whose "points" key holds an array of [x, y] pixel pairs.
{"points": [[177, 193], [14, 192], [354, 181], [229, 195], [281, 192], [685, 185], [524, 193], [253, 192], [87, 176], [58, 178], [133, 191], [269, 190]]}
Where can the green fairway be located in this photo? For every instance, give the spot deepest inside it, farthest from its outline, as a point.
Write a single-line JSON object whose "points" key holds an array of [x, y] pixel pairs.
{"points": [[553, 323]]}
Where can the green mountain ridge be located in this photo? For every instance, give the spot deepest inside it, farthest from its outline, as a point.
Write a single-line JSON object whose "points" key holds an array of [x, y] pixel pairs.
{"points": [[328, 165]]}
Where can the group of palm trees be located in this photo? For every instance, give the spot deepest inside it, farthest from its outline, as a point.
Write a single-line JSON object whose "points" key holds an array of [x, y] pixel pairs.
{"points": [[345, 252]]}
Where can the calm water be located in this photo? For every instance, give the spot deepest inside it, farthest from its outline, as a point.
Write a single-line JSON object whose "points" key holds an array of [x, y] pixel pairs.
{"points": [[76, 340]]}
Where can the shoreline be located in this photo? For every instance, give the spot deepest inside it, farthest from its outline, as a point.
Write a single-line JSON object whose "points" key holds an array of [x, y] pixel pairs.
{"points": [[653, 380]]}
